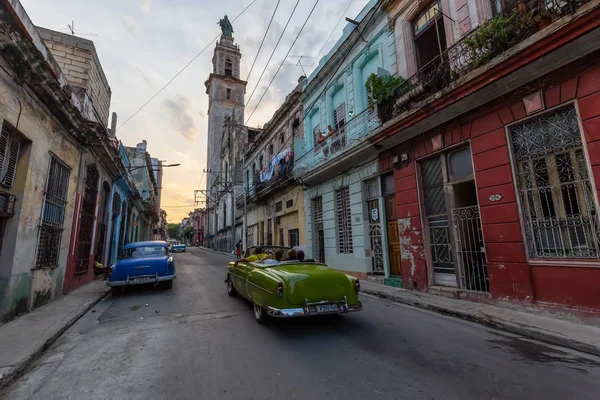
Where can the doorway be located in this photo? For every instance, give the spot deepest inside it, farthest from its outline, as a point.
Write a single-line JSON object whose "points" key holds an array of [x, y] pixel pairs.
{"points": [[391, 220], [456, 246], [319, 236]]}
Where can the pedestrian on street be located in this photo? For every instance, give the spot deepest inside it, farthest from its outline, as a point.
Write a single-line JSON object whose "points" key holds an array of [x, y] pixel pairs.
{"points": [[238, 250]]}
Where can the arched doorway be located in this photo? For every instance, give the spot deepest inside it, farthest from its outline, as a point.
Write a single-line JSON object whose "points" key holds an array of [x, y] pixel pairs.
{"points": [[116, 212], [102, 226]]}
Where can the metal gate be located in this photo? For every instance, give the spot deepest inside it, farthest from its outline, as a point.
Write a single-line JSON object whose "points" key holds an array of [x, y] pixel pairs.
{"points": [[375, 236], [470, 249]]}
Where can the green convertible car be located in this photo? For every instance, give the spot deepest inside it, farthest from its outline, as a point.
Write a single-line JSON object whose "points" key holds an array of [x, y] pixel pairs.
{"points": [[291, 288]]}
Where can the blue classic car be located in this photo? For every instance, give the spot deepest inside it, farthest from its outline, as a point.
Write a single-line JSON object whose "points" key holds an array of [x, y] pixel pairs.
{"points": [[178, 247], [142, 263]]}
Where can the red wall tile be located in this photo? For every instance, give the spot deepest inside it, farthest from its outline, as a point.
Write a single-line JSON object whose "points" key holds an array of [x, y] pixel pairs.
{"points": [[407, 210], [405, 171], [499, 213], [505, 115], [465, 132], [414, 270], [505, 252], [568, 90], [488, 141], [589, 83], [589, 107], [512, 280], [494, 176], [448, 139], [502, 233], [410, 224], [486, 124], [567, 286], [507, 191], [552, 96], [406, 197], [518, 110], [413, 238], [491, 159], [594, 152], [406, 183], [591, 129]]}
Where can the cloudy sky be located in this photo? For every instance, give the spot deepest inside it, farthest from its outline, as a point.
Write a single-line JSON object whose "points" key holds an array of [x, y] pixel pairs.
{"points": [[142, 44]]}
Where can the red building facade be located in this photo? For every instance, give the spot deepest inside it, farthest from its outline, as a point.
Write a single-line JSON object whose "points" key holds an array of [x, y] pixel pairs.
{"points": [[496, 174], [535, 195]]}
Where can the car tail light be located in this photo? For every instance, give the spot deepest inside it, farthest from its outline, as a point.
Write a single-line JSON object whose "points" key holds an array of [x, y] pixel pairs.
{"points": [[171, 263], [357, 285], [280, 289]]}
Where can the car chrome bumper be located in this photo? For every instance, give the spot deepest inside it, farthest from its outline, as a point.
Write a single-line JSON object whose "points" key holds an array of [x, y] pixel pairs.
{"points": [[130, 281], [311, 310]]}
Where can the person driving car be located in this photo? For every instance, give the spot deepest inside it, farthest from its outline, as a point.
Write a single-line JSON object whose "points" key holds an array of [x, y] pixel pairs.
{"points": [[257, 256]]}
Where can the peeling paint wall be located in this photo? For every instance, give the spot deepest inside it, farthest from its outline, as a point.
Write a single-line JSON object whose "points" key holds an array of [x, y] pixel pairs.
{"points": [[40, 135]]}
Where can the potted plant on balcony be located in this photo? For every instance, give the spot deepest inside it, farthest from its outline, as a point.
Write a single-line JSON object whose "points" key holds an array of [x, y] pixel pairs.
{"points": [[381, 89]]}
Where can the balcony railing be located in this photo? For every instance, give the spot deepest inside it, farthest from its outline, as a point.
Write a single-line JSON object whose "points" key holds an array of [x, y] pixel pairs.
{"points": [[340, 141], [258, 189], [508, 28], [7, 204]]}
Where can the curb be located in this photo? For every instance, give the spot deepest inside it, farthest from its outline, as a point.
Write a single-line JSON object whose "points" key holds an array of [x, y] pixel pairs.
{"points": [[22, 365], [216, 252], [493, 323]]}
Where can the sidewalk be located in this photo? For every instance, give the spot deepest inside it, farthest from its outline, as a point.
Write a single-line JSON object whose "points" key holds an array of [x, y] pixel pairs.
{"points": [[569, 332], [22, 340], [232, 256]]}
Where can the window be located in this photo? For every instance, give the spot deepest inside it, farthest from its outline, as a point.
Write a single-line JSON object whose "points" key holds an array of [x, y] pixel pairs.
{"points": [[282, 138], [316, 131], [228, 94], [339, 117], [145, 251], [388, 184], [289, 203], [344, 220], [9, 156], [553, 180], [460, 164], [260, 162], [278, 206], [281, 241], [271, 149], [53, 213], [224, 215], [228, 67], [430, 35], [294, 237]]}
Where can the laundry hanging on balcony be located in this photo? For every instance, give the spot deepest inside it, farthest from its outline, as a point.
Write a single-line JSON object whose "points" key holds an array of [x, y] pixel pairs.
{"points": [[277, 164]]}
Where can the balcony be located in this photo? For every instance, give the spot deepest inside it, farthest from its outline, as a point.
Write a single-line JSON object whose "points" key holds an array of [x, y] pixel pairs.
{"points": [[7, 204], [260, 190], [479, 47], [341, 147]]}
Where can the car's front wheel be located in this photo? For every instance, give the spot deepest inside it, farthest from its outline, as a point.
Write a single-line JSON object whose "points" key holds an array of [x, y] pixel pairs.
{"points": [[260, 315], [230, 288]]}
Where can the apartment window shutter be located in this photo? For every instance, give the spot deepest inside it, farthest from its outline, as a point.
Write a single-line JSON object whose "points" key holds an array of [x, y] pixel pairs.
{"points": [[3, 149], [11, 161]]}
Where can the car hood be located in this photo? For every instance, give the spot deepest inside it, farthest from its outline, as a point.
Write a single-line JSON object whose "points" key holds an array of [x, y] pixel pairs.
{"points": [[315, 282]]}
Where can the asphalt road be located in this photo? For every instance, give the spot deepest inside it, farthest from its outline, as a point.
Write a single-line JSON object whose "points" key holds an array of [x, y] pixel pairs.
{"points": [[195, 342]]}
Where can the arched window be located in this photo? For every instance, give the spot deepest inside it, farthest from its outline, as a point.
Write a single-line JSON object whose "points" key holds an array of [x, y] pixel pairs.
{"points": [[228, 67]]}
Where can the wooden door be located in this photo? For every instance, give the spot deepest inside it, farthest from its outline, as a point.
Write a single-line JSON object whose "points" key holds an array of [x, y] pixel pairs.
{"points": [[393, 237]]}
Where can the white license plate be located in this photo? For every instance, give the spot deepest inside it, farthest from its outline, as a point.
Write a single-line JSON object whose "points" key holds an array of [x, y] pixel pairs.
{"points": [[327, 308], [143, 279]]}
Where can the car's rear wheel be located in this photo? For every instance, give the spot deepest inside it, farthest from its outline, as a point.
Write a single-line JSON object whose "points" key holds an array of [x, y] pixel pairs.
{"points": [[115, 290], [230, 288], [168, 284], [260, 315]]}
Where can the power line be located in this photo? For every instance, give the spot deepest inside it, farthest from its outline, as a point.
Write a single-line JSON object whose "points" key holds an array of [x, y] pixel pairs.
{"points": [[284, 58], [273, 52], [182, 69], [331, 34]]}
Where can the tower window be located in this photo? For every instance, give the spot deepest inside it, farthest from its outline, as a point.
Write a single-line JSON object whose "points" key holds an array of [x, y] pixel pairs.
{"points": [[228, 67], [228, 94], [282, 138], [271, 149]]}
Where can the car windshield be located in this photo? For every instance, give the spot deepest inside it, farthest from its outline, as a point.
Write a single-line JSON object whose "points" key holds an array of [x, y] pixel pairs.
{"points": [[145, 251]]}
